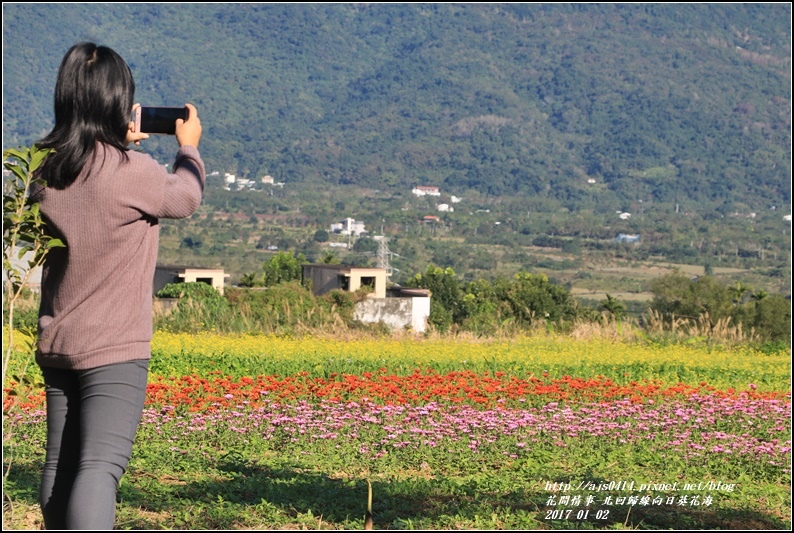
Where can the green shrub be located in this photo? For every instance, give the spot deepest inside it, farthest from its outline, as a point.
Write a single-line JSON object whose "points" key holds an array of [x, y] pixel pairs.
{"points": [[281, 307], [200, 308], [772, 320], [194, 290]]}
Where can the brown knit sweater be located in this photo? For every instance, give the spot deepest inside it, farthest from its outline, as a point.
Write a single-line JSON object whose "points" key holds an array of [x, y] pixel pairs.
{"points": [[96, 293]]}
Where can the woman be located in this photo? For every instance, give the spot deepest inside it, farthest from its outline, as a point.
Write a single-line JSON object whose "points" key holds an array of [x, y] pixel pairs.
{"points": [[95, 319]]}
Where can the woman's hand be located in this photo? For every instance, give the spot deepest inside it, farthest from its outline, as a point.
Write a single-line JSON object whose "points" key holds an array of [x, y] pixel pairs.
{"points": [[188, 132], [132, 135]]}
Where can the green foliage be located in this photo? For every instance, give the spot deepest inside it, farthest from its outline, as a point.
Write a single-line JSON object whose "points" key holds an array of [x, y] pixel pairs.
{"points": [[483, 307], [25, 247], [329, 258], [613, 306], [676, 295], [25, 318], [772, 318], [321, 235], [191, 290], [366, 245], [443, 285], [284, 267], [285, 307], [25, 240], [200, 308], [191, 243], [24, 233], [532, 297], [343, 303]]}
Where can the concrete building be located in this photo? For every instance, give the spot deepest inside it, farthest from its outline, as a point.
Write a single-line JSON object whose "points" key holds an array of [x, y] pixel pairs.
{"points": [[402, 309], [349, 226], [165, 274], [398, 308], [325, 278]]}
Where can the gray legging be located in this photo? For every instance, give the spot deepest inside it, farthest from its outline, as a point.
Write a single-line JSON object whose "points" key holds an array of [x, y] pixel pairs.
{"points": [[92, 416]]}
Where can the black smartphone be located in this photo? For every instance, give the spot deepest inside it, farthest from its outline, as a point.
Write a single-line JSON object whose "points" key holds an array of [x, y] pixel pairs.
{"points": [[158, 119]]}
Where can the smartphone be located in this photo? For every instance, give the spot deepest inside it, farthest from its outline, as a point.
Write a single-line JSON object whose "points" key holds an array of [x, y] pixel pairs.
{"points": [[158, 119]]}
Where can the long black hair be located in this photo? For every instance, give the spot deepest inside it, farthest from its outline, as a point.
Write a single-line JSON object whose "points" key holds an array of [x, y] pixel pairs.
{"points": [[93, 100]]}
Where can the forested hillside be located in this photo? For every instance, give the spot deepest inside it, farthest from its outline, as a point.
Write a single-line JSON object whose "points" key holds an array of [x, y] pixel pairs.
{"points": [[590, 106]]}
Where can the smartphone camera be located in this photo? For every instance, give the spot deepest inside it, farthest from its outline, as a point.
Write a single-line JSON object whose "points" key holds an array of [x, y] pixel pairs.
{"points": [[158, 120]]}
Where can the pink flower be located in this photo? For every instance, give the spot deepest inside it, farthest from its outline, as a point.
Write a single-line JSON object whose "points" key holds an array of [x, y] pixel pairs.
{"points": [[752, 386]]}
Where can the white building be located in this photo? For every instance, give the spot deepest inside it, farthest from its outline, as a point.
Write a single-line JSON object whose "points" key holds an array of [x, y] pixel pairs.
{"points": [[348, 227], [422, 190]]}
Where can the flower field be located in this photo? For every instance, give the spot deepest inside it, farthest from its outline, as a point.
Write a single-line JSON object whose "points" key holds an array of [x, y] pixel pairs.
{"points": [[257, 432]]}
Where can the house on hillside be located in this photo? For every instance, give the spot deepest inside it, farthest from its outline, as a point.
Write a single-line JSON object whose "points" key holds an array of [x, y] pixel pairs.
{"points": [[424, 190], [627, 238], [349, 226]]}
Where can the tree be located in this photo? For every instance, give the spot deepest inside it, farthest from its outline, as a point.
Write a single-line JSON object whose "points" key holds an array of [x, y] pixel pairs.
{"points": [[251, 280], [329, 259], [532, 297], [191, 243], [614, 306], [737, 291], [773, 318], [676, 294], [446, 295], [283, 267], [321, 235], [366, 245], [759, 295], [24, 234]]}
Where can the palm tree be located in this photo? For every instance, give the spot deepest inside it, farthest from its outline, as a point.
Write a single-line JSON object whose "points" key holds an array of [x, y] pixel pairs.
{"points": [[329, 259], [249, 280], [612, 305], [759, 295], [738, 290]]}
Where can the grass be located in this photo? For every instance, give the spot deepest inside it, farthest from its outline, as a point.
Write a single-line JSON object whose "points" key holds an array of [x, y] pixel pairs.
{"points": [[247, 432]]}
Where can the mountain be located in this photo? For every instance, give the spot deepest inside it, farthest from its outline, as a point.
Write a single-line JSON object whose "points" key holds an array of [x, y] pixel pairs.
{"points": [[590, 106]]}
